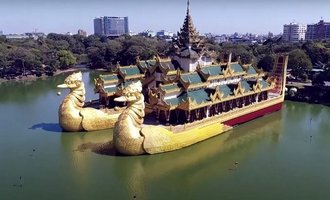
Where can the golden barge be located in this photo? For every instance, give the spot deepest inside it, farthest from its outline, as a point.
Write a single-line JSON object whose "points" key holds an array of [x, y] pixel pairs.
{"points": [[168, 104]]}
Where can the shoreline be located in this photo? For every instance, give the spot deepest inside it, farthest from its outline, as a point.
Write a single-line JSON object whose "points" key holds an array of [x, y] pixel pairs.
{"points": [[34, 77], [309, 101]]}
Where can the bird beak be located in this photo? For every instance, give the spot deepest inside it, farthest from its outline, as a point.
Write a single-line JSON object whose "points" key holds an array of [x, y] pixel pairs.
{"points": [[121, 99], [62, 86], [125, 99]]}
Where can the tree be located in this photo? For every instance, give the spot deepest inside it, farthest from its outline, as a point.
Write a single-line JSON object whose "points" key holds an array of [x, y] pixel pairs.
{"points": [[66, 59], [326, 73], [92, 41], [266, 63], [299, 62], [61, 45], [163, 47], [286, 47], [241, 51], [3, 64], [317, 52], [113, 48], [130, 54], [318, 79], [96, 57], [254, 49], [271, 43], [246, 57], [22, 60]]}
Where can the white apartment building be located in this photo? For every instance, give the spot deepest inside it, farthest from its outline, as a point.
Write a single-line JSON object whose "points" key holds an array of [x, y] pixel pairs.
{"points": [[294, 32]]}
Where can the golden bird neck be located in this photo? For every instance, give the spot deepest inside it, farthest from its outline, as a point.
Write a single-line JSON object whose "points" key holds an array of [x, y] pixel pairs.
{"points": [[77, 95]]}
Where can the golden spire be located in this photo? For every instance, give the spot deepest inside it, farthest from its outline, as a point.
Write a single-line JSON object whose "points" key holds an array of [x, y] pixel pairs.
{"points": [[188, 33], [188, 44]]}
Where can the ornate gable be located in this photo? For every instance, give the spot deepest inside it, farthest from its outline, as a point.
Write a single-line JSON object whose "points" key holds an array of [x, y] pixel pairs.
{"points": [[218, 95], [239, 90]]}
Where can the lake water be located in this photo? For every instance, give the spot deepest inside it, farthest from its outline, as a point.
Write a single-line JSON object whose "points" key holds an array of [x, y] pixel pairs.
{"points": [[284, 155]]}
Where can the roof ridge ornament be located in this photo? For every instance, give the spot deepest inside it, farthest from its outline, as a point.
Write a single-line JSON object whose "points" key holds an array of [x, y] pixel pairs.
{"points": [[137, 60], [157, 58]]}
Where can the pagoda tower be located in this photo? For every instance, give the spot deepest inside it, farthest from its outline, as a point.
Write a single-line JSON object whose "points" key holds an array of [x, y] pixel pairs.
{"points": [[189, 47]]}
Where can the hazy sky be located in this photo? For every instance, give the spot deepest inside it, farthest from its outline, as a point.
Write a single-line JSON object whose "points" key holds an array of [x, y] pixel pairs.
{"points": [[209, 16]]}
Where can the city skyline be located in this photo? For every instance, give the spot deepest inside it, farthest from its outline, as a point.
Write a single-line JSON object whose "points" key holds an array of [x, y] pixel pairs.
{"points": [[209, 16]]}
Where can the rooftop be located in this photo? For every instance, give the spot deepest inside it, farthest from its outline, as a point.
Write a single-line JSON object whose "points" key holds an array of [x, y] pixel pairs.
{"points": [[191, 78]]}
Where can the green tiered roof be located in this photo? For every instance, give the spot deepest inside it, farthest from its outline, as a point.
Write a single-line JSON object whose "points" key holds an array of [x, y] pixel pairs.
{"points": [[264, 84], [225, 90], [212, 70], [144, 64], [200, 96], [175, 101], [246, 86], [151, 62], [109, 77], [251, 70], [167, 65], [168, 87], [110, 89], [130, 71], [236, 67], [192, 78], [127, 83], [186, 89]]}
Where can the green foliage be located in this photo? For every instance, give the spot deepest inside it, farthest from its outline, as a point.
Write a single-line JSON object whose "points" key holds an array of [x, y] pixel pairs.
{"points": [[318, 79], [58, 51], [113, 49], [317, 51], [266, 62], [96, 57], [145, 48], [213, 47], [131, 53], [92, 41], [286, 47], [66, 59], [238, 51], [300, 63], [246, 57], [326, 73], [3, 64], [162, 48], [3, 39]]}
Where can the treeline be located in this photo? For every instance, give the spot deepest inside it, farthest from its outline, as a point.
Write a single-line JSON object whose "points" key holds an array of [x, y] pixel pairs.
{"points": [[302, 56], [58, 52]]}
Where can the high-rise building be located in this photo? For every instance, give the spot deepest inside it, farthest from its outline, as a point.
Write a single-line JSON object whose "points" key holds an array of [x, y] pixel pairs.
{"points": [[82, 32], [164, 34], [1, 32], [111, 26], [318, 31], [294, 32], [98, 26]]}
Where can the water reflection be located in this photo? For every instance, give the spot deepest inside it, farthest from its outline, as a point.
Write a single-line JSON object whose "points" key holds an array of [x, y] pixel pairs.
{"points": [[202, 161], [94, 74], [50, 127], [28, 91], [272, 154], [198, 162]]}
